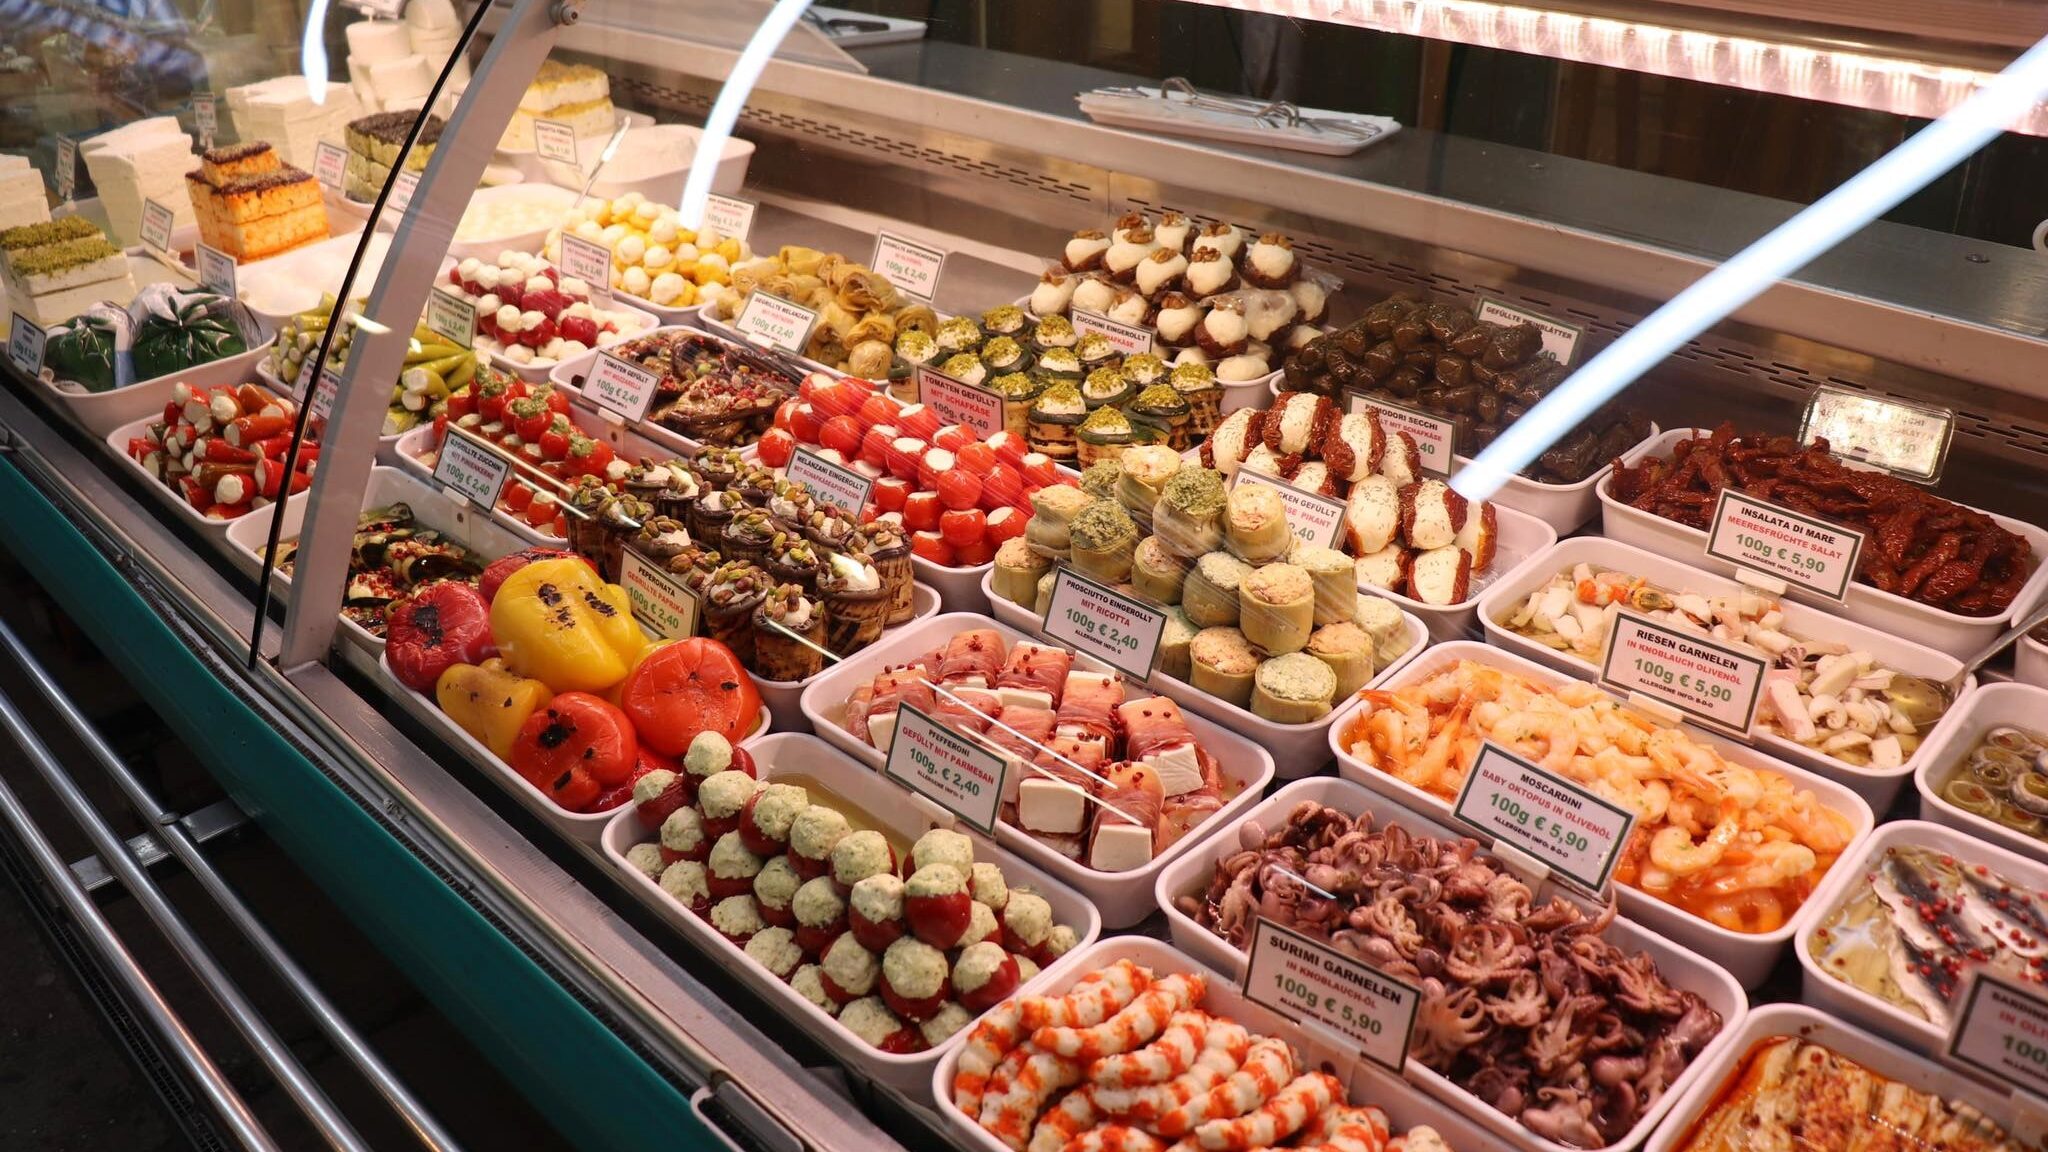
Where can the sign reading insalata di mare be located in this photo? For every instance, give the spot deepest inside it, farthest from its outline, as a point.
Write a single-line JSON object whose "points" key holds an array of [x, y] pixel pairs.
{"points": [[1436, 439], [1793, 546], [1556, 821], [1711, 682], [1304, 978], [937, 763], [1097, 620]]}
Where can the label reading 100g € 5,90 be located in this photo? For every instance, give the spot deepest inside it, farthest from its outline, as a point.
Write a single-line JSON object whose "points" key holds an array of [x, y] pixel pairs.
{"points": [[1302, 978], [2001, 1028], [661, 603], [1094, 619], [1814, 554], [1570, 830], [1436, 439], [1710, 682], [936, 763]]}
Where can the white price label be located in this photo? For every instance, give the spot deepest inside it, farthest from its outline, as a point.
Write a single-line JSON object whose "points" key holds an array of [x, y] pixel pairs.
{"points": [[157, 220], [776, 322], [305, 377], [206, 114], [25, 343], [1710, 682], [661, 603], [1306, 979], [1436, 438], [451, 316], [1559, 339], [1128, 339], [216, 270], [324, 393], [729, 216], [1793, 546], [912, 267], [590, 262], [330, 164], [403, 188], [621, 386], [1908, 440], [2001, 1029], [974, 408], [945, 767], [831, 484], [67, 167], [1314, 519], [1095, 619], [1551, 819], [554, 140], [471, 470]]}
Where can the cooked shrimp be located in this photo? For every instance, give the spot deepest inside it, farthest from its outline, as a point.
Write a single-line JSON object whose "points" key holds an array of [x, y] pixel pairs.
{"points": [[1222, 1054], [1280, 1117], [1814, 824], [1769, 866], [1421, 1138], [1074, 1114], [1268, 1065], [1009, 1117], [1159, 1061], [1095, 999], [1550, 740], [1131, 1028], [1672, 849], [1116, 1138], [986, 1045]]}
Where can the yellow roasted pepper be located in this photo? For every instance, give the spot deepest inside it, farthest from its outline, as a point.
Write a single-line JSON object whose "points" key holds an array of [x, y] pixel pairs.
{"points": [[558, 622], [490, 702]]}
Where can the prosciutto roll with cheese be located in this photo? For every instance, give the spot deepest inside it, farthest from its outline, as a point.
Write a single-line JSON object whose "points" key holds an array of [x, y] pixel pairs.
{"points": [[967, 709], [1034, 674], [1153, 726], [973, 659], [1088, 707], [1127, 822]]}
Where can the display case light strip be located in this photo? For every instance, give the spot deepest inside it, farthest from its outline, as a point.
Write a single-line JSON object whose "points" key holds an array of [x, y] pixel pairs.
{"points": [[313, 52], [1836, 75], [732, 97]]}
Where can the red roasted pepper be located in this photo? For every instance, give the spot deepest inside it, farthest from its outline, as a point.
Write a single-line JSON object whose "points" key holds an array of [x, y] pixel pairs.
{"points": [[576, 749], [438, 627]]}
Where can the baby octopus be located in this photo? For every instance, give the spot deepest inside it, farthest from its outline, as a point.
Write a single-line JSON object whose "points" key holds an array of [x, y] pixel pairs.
{"points": [[1526, 1005]]}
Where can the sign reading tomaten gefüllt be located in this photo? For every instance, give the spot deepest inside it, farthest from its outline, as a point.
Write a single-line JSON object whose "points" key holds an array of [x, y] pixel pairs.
{"points": [[25, 343], [330, 164], [661, 603], [1436, 438], [588, 261], [956, 774], [729, 216], [554, 140], [619, 385], [1559, 339], [1094, 619], [971, 406], [1793, 546], [1304, 978], [451, 316], [1905, 439], [157, 220], [2001, 1028], [1314, 519], [912, 267], [1712, 683], [216, 269], [775, 322], [1127, 339], [1575, 833], [471, 470], [831, 484]]}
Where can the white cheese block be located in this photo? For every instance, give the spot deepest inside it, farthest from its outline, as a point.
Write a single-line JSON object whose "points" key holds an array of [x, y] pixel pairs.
{"points": [[882, 729], [1179, 769], [371, 41], [1120, 848], [1089, 678], [1053, 806], [57, 307], [1024, 698]]}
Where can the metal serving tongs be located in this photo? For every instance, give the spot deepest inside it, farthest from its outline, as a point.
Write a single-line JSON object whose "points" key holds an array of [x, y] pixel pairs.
{"points": [[2004, 640], [1273, 114]]}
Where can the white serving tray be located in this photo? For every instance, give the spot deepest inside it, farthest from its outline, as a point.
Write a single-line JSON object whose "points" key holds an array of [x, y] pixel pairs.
{"points": [[1521, 539], [1937, 628], [117, 443], [285, 285], [1298, 749], [1125, 898], [1177, 119], [2020, 705], [565, 373], [538, 373], [809, 757], [102, 412], [1876, 786], [548, 197], [1190, 875], [1747, 956]]}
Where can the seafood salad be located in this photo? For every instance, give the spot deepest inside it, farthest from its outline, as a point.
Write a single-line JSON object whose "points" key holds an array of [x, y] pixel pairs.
{"points": [[2004, 779], [1794, 1093], [1818, 693], [1127, 1061], [1912, 932], [1739, 847], [1526, 1007]]}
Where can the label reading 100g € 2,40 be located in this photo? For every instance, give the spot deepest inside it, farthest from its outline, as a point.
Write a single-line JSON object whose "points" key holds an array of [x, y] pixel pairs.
{"points": [[1813, 554], [2001, 1028], [660, 602], [1711, 683], [974, 408], [621, 387], [912, 267], [1302, 978], [1575, 833], [934, 762], [1093, 619], [471, 470], [1436, 439], [776, 322]]}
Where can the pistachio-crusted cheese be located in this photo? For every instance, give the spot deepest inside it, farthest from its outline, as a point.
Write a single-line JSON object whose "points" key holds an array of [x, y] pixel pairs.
{"points": [[965, 367], [940, 1027], [859, 855], [1062, 399], [1224, 571], [777, 809], [914, 969], [736, 916], [978, 962], [879, 898], [871, 1020], [805, 981], [730, 859], [683, 831], [652, 785], [1094, 347], [816, 830], [1103, 525], [1055, 332], [989, 886], [1014, 385], [958, 333], [723, 794], [943, 846], [1297, 676], [852, 967], [646, 860], [935, 880], [687, 882], [1028, 917], [981, 924], [776, 883], [1060, 940], [817, 903], [776, 950]]}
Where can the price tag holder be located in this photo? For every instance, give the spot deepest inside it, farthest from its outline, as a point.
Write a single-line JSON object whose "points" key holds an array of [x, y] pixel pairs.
{"points": [[324, 392], [157, 220], [776, 322], [621, 386], [206, 114], [1436, 438], [971, 406], [403, 188], [471, 471], [1710, 682], [451, 316], [1795, 547], [946, 768], [216, 270], [1559, 339], [1305, 979], [378, 9], [1128, 339], [67, 167], [661, 603], [1910, 441], [1557, 822], [554, 140], [330, 164], [1097, 620], [2001, 1029], [832, 484], [729, 216], [912, 267], [588, 261], [25, 343], [1314, 519]]}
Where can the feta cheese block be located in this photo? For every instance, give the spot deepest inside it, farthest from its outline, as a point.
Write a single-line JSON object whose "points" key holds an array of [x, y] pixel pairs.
{"points": [[57, 269], [146, 160], [283, 111], [574, 94], [21, 193]]}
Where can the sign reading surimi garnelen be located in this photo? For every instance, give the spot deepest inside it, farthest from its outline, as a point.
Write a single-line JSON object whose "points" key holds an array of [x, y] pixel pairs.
{"points": [[937, 763], [1796, 548], [1547, 817], [1712, 683], [1306, 979]]}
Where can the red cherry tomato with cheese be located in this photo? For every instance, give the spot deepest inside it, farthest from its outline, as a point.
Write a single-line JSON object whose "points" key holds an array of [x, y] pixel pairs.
{"points": [[875, 410], [516, 497], [965, 528], [1006, 524], [970, 555], [890, 494], [919, 420], [1010, 447], [874, 446], [1039, 470], [842, 435], [805, 423], [952, 437], [540, 511], [776, 447], [921, 512], [932, 547], [837, 399], [808, 389], [976, 458], [1001, 486], [935, 463], [858, 389], [783, 411], [904, 454], [958, 488], [869, 469]]}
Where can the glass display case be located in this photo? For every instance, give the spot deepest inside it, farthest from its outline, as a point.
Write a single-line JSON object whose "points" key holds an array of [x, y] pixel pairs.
{"points": [[916, 574]]}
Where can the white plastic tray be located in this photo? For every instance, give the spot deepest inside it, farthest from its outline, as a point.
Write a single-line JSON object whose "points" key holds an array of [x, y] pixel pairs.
{"points": [[784, 698], [1405, 1104], [285, 285], [1747, 956], [547, 197], [117, 443], [809, 757], [1298, 749], [1124, 897], [431, 507], [537, 373], [564, 373], [2020, 705], [102, 412], [1876, 786], [1190, 875], [960, 589], [1521, 538], [2030, 661], [1937, 628]]}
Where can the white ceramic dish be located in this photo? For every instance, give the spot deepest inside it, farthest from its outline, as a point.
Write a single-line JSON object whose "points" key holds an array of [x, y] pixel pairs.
{"points": [[960, 589], [102, 412], [1405, 1104], [1124, 897], [811, 758], [432, 508], [1190, 874], [284, 286], [1298, 749], [1876, 786], [785, 697], [528, 163], [545, 204], [2020, 705], [1747, 956], [655, 161], [538, 373], [2030, 661], [117, 443], [1521, 538], [1937, 628], [566, 374]]}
